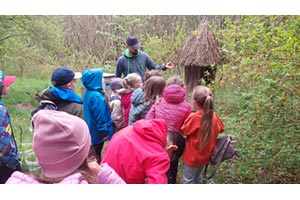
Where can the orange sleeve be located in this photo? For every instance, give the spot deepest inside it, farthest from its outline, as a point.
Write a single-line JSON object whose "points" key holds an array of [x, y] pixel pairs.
{"points": [[191, 125]]}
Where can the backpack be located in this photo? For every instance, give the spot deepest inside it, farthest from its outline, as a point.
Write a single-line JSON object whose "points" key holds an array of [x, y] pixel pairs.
{"points": [[43, 105], [224, 150]]}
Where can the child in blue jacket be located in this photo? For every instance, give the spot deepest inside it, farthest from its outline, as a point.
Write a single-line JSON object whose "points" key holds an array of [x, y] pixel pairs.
{"points": [[96, 109]]}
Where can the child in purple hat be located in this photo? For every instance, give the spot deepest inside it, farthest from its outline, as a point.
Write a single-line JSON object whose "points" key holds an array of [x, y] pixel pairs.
{"points": [[117, 114]]}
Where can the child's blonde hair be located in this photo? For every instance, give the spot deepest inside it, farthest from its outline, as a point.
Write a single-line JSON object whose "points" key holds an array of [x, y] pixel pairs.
{"points": [[132, 81], [203, 98], [175, 79]]}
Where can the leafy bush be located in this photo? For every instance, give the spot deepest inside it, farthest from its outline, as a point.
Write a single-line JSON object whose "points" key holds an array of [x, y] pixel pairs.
{"points": [[263, 73]]}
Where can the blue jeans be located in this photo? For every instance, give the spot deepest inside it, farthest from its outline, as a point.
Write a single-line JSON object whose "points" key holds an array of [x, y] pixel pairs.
{"points": [[191, 175]]}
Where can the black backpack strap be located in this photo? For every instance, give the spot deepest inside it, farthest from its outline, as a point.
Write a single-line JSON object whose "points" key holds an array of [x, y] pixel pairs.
{"points": [[44, 105], [208, 177]]}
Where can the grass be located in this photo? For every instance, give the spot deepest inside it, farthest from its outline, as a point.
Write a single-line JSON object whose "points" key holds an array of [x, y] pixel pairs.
{"points": [[20, 102]]}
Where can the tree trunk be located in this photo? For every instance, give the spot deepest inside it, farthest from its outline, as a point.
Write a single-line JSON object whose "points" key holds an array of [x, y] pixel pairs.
{"points": [[193, 76]]}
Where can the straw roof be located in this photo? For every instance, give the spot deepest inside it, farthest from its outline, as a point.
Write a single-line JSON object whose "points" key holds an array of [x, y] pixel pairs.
{"points": [[201, 50]]}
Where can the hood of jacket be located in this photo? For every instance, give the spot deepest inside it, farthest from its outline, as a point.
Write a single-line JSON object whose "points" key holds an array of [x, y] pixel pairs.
{"points": [[60, 94], [47, 95], [92, 79], [66, 94], [174, 94], [152, 130]]}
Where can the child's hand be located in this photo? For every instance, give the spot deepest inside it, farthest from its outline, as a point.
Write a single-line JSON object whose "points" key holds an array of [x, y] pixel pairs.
{"points": [[105, 138], [94, 167]]}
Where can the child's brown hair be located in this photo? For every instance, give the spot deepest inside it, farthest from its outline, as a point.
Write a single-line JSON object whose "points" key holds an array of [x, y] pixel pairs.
{"points": [[153, 72], [175, 79], [153, 88], [203, 98]]}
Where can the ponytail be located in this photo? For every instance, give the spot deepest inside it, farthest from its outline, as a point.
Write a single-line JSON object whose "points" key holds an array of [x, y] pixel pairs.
{"points": [[206, 122], [203, 97]]}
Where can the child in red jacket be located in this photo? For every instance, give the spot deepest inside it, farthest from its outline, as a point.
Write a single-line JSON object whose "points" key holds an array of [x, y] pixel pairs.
{"points": [[130, 83], [201, 130]]}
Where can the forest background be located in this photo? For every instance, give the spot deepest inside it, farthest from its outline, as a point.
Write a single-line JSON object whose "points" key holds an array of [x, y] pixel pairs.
{"points": [[257, 89]]}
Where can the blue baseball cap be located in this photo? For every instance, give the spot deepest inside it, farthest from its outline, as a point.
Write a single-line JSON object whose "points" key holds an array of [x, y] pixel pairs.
{"points": [[63, 75]]}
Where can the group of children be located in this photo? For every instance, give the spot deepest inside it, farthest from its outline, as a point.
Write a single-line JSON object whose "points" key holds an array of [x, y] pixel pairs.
{"points": [[195, 132], [148, 126]]}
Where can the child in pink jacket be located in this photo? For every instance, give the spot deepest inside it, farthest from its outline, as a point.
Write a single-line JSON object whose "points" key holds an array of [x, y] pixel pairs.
{"points": [[174, 109], [141, 153], [61, 143]]}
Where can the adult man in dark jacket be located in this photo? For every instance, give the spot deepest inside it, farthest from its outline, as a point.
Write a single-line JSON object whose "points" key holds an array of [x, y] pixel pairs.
{"points": [[135, 60]]}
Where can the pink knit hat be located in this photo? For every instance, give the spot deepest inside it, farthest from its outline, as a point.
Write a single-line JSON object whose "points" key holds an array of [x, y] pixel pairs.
{"points": [[61, 142]]}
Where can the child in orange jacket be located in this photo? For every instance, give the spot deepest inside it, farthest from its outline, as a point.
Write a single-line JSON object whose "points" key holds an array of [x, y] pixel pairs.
{"points": [[201, 130]]}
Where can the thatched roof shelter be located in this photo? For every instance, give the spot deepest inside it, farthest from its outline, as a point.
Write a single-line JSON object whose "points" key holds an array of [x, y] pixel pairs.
{"points": [[199, 55]]}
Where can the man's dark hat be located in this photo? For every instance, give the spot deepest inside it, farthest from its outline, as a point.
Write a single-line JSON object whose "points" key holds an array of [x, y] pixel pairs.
{"points": [[133, 42]]}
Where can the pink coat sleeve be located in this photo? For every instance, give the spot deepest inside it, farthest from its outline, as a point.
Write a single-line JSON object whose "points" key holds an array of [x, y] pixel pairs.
{"points": [[156, 171], [107, 175], [21, 178], [151, 113]]}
